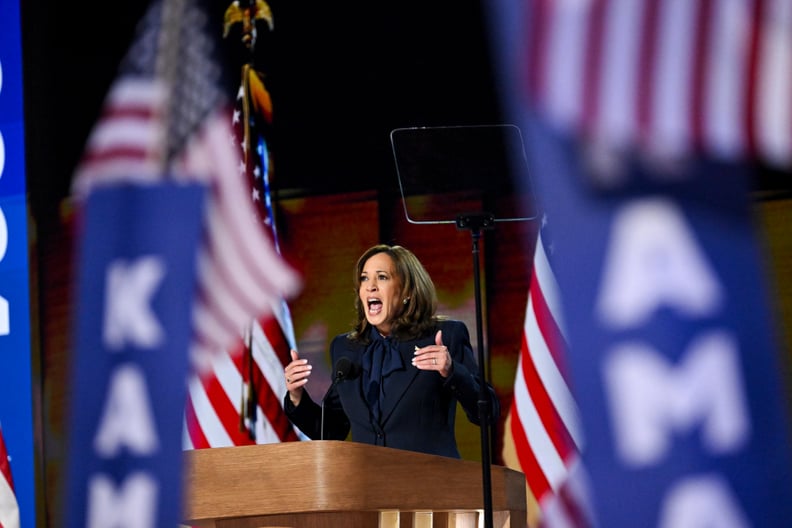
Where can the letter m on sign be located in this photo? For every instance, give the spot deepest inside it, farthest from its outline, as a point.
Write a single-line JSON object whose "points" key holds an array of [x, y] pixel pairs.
{"points": [[650, 399]]}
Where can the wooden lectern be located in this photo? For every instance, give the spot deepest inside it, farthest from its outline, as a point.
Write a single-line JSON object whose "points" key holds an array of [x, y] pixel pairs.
{"points": [[343, 484]]}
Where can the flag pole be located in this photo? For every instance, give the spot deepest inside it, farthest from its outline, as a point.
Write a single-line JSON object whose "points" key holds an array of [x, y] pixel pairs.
{"points": [[475, 222], [165, 69], [248, 391]]}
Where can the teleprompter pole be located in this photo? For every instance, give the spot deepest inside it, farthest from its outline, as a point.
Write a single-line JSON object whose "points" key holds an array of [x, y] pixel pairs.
{"points": [[475, 222]]}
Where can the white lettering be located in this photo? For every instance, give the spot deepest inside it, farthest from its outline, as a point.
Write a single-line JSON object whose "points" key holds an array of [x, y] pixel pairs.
{"points": [[5, 317], [2, 155], [3, 234], [649, 398], [701, 502], [132, 506], [653, 260], [128, 314], [127, 417], [5, 311]]}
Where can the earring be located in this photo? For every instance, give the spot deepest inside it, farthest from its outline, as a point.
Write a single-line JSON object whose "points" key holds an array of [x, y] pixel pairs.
{"points": [[405, 300]]}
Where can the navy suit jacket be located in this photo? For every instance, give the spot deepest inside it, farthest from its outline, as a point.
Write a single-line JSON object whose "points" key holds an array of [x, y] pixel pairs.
{"points": [[419, 410]]}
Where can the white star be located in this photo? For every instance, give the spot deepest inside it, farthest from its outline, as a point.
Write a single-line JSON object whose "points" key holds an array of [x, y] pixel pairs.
{"points": [[256, 195], [257, 172]]}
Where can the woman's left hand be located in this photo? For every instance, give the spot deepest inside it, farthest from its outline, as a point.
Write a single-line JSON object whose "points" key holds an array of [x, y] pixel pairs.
{"points": [[434, 357]]}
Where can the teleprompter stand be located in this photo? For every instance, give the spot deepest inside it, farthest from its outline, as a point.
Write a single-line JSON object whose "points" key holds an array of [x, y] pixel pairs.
{"points": [[487, 162], [476, 222]]}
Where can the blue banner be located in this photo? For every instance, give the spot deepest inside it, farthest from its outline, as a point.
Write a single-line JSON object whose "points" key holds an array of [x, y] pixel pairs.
{"points": [[136, 286], [16, 376], [673, 349]]}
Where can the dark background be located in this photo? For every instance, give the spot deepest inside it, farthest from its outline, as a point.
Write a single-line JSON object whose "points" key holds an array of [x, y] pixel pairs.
{"points": [[342, 76]]}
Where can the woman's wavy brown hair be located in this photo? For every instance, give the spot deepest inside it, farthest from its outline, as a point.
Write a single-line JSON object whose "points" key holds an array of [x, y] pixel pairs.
{"points": [[417, 315]]}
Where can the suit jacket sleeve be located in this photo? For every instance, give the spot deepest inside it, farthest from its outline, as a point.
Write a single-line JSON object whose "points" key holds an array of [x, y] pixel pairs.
{"points": [[464, 381], [307, 416]]}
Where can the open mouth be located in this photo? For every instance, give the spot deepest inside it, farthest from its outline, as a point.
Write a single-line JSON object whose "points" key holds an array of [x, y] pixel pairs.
{"points": [[374, 306]]}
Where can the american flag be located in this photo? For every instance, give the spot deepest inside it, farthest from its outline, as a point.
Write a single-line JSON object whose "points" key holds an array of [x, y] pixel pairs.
{"points": [[238, 401], [167, 116], [253, 375], [672, 77], [9, 508], [543, 438]]}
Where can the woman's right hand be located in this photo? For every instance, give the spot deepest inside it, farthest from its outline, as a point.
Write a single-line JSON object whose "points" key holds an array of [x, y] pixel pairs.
{"points": [[296, 374]]}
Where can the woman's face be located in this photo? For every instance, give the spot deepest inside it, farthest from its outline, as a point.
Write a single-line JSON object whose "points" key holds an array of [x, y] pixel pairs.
{"points": [[380, 292]]}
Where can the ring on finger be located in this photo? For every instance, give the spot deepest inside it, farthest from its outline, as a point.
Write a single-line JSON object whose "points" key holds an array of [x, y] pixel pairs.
{"points": [[435, 360]]}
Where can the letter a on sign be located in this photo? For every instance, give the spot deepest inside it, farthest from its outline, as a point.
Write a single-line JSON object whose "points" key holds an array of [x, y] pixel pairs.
{"points": [[652, 261]]}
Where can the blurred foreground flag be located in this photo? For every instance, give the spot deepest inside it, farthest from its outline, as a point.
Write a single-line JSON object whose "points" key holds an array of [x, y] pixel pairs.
{"points": [[172, 267], [642, 144], [674, 77], [9, 509], [167, 118]]}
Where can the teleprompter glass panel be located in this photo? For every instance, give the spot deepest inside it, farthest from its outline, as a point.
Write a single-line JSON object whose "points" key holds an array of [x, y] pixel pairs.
{"points": [[454, 164]]}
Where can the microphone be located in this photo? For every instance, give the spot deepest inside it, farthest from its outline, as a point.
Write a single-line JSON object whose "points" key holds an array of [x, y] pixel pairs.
{"points": [[344, 370]]}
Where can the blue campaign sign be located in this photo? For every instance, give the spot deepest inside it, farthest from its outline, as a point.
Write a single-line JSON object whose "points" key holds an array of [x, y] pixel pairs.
{"points": [[136, 287], [673, 349], [16, 391]]}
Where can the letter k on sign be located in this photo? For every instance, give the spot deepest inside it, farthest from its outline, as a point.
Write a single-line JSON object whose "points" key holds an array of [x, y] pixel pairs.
{"points": [[128, 315]]}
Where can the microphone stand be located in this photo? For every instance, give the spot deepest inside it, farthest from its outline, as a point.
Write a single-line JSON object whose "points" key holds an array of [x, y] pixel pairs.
{"points": [[336, 378], [344, 369], [475, 222], [321, 423]]}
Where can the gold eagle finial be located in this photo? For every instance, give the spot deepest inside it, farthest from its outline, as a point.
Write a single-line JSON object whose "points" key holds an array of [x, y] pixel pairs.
{"points": [[235, 14]]}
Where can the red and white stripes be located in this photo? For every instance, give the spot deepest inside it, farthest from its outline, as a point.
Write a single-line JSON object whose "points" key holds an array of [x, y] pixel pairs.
{"points": [[9, 508], [214, 416], [545, 424], [673, 77], [240, 273], [544, 432]]}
